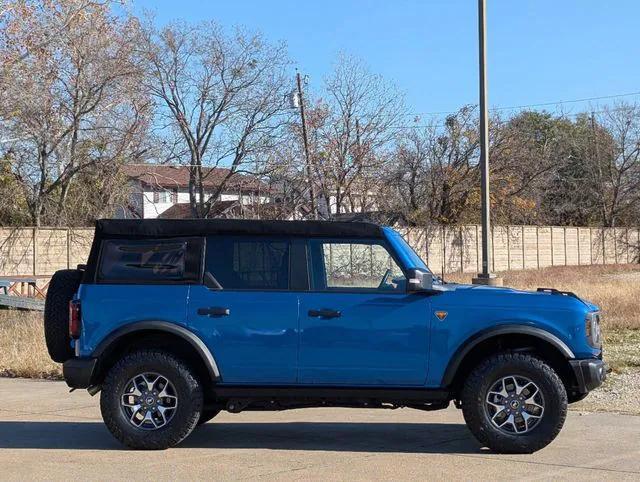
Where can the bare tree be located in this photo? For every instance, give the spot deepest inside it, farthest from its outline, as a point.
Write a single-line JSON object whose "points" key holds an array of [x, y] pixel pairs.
{"points": [[435, 176], [37, 25], [615, 163], [221, 100], [70, 106], [351, 133]]}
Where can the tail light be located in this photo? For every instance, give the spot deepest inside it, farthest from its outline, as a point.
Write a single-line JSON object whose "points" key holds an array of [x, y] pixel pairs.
{"points": [[75, 320]]}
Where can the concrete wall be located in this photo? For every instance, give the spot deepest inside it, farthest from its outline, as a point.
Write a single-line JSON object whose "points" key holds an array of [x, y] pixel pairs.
{"points": [[42, 251]]}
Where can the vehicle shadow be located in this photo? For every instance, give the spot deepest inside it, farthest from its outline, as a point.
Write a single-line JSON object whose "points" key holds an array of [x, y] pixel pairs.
{"points": [[313, 436]]}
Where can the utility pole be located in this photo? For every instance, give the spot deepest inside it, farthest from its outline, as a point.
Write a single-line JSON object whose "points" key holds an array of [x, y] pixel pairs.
{"points": [[305, 142], [485, 277]]}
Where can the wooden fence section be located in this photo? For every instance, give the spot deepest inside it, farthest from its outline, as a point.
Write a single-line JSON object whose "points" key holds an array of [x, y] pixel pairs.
{"points": [[42, 251]]}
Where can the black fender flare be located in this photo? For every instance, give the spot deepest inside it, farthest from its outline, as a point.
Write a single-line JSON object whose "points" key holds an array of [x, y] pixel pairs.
{"points": [[509, 329], [167, 327]]}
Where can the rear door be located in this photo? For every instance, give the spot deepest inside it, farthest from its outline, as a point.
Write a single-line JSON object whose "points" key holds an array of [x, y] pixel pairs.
{"points": [[358, 325], [245, 312]]}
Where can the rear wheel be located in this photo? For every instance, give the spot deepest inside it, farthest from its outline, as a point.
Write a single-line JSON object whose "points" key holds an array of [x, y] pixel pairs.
{"points": [[151, 400], [514, 403]]}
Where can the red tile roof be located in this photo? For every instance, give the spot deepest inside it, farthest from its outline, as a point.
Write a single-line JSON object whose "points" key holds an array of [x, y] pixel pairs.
{"points": [[169, 177]]}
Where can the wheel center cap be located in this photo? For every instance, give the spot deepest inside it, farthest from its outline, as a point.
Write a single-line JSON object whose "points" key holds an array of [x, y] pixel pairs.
{"points": [[150, 400], [515, 404]]}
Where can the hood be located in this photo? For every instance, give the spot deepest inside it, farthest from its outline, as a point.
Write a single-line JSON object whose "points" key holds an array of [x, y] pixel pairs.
{"points": [[504, 296]]}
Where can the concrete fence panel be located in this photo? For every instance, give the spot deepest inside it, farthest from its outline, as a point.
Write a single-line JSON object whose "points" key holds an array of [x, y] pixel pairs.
{"points": [[42, 251]]}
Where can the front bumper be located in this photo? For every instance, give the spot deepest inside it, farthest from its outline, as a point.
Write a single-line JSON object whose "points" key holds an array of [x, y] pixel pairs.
{"points": [[78, 372], [590, 373]]}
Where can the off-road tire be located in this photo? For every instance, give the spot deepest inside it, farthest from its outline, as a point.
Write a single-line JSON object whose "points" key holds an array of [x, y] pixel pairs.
{"points": [[207, 415], [188, 390], [62, 287], [489, 372]]}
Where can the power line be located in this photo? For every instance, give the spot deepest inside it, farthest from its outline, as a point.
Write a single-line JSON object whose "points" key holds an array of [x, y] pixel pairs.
{"points": [[502, 122], [542, 104]]}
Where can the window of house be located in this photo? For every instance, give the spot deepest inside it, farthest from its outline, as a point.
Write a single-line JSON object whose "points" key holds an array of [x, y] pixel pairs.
{"points": [[161, 196], [248, 263], [354, 265], [164, 260], [174, 196]]}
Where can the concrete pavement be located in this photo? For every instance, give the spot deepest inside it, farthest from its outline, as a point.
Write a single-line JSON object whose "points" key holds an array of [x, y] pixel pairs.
{"points": [[47, 433]]}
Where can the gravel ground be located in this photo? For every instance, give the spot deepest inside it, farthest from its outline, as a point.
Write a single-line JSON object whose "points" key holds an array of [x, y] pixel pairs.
{"points": [[618, 394]]}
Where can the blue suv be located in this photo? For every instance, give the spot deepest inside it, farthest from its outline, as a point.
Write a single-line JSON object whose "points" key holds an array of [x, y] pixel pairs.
{"points": [[176, 320]]}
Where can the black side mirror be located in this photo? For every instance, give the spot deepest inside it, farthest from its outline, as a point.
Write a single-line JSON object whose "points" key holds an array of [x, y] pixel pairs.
{"points": [[419, 280]]}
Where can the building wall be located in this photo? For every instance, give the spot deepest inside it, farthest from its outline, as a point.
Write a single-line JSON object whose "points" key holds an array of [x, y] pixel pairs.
{"points": [[42, 251], [151, 209]]}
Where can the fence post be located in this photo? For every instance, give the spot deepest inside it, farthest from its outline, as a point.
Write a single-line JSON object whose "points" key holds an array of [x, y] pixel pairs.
{"points": [[478, 260], [538, 246], [578, 240], [565, 245], [508, 248], [461, 251], [444, 250], [552, 260], [34, 240], [68, 248]]}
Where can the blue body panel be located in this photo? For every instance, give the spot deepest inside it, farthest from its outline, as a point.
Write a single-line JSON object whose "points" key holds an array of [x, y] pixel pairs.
{"points": [[380, 339], [257, 342], [107, 307]]}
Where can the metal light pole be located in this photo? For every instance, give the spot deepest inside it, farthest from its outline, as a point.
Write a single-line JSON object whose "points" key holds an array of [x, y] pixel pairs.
{"points": [[305, 140], [485, 277]]}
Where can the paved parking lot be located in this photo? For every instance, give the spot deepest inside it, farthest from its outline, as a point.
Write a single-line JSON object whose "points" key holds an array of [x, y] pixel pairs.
{"points": [[47, 433]]}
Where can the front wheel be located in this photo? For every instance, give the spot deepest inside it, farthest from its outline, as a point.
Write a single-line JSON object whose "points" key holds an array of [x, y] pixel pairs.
{"points": [[151, 400], [514, 403]]}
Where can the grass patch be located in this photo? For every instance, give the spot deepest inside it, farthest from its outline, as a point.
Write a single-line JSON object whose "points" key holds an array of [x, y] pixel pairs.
{"points": [[23, 352]]}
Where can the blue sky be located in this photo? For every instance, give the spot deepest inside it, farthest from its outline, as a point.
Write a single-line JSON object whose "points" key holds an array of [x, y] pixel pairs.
{"points": [[539, 50]]}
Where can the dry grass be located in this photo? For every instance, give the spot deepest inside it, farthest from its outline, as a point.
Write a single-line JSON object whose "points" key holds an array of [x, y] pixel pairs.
{"points": [[23, 352], [616, 289]]}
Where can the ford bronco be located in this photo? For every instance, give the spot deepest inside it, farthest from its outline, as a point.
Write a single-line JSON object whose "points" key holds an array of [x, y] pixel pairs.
{"points": [[176, 320]]}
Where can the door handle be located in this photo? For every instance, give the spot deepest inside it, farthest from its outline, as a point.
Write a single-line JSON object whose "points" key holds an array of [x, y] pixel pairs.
{"points": [[214, 311], [325, 313]]}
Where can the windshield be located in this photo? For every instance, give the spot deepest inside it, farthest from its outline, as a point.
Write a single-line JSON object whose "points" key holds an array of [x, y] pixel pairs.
{"points": [[413, 260]]}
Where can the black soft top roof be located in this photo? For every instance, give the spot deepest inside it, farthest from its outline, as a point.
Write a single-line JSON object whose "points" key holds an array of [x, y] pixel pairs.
{"points": [[146, 228]]}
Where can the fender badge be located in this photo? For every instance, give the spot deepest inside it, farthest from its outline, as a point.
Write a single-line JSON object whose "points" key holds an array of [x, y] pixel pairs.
{"points": [[441, 315]]}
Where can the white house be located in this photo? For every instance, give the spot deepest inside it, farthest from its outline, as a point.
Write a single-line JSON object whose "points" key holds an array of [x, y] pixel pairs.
{"points": [[162, 191]]}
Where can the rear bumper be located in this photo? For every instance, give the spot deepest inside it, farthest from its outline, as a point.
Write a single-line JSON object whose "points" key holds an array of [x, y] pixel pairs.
{"points": [[78, 372], [590, 373]]}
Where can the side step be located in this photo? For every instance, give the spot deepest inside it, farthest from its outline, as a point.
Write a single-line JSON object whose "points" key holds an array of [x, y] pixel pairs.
{"points": [[239, 398]]}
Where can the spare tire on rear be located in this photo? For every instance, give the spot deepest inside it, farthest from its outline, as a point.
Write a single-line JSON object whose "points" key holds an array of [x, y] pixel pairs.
{"points": [[62, 287]]}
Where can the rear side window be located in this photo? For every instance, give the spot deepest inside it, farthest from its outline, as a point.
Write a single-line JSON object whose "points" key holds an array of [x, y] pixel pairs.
{"points": [[150, 261], [245, 263]]}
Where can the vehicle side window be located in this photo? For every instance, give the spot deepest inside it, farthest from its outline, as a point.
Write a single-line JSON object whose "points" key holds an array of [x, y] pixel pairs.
{"points": [[150, 261], [354, 265], [245, 263]]}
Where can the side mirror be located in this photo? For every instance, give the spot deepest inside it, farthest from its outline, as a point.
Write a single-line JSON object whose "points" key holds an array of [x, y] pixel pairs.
{"points": [[419, 280]]}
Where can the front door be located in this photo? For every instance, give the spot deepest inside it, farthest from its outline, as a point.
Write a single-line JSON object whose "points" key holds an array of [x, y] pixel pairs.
{"points": [[245, 312], [358, 325]]}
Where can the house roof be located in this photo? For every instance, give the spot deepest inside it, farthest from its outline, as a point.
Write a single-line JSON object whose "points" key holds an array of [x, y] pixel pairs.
{"points": [[183, 210], [172, 176]]}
